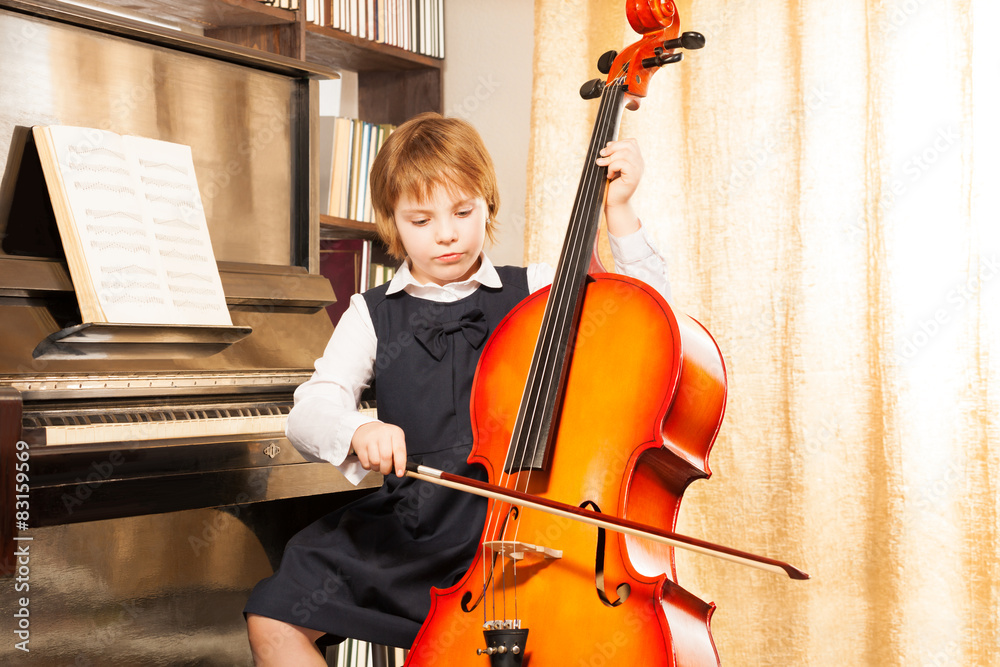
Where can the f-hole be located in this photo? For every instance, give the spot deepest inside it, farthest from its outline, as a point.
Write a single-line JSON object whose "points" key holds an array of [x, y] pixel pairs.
{"points": [[623, 589]]}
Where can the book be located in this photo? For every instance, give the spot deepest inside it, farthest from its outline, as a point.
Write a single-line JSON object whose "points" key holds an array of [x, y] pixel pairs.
{"points": [[340, 167], [344, 263], [368, 214], [360, 170], [353, 146], [361, 159], [133, 228], [349, 176], [414, 25], [381, 267]]}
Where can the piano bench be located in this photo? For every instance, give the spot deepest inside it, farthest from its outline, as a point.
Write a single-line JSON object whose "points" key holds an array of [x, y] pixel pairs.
{"points": [[381, 656]]}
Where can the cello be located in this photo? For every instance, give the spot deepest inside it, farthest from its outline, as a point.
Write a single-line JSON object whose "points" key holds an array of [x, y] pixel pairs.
{"points": [[597, 404]]}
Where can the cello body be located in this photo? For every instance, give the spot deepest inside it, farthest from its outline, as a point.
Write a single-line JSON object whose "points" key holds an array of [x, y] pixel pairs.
{"points": [[644, 398]]}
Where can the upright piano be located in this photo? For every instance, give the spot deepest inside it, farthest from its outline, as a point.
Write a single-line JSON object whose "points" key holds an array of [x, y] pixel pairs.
{"points": [[152, 467]]}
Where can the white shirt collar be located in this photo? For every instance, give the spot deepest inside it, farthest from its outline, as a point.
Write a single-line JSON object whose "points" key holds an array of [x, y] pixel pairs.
{"points": [[486, 274]]}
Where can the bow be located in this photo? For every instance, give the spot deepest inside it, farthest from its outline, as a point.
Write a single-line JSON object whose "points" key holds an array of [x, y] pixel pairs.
{"points": [[472, 325]]}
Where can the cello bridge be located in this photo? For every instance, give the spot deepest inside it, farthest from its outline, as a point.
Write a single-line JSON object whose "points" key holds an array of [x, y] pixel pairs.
{"points": [[517, 550]]}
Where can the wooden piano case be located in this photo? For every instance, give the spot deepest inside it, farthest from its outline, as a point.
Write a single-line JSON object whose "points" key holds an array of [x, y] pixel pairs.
{"points": [[161, 487]]}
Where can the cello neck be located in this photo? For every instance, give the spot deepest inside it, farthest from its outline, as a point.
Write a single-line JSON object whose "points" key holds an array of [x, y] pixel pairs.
{"points": [[540, 403]]}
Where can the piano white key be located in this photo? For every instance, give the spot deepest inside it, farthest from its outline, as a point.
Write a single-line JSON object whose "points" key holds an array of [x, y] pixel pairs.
{"points": [[160, 430], [93, 427]]}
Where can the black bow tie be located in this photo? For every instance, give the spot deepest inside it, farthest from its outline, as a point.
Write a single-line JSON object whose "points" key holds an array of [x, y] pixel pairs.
{"points": [[472, 325]]}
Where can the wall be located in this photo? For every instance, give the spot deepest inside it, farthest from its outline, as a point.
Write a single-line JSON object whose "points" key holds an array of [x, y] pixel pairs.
{"points": [[487, 81]]}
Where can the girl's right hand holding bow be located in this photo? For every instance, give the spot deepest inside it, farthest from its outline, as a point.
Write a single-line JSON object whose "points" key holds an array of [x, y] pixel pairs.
{"points": [[381, 447]]}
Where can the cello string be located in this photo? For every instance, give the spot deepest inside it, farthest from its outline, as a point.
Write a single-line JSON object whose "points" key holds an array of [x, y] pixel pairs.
{"points": [[561, 298], [570, 281], [564, 290], [571, 274], [484, 578], [543, 358], [572, 264], [575, 257], [563, 293]]}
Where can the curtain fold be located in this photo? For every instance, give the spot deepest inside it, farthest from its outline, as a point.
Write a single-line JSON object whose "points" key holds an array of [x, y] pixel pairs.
{"points": [[822, 179]]}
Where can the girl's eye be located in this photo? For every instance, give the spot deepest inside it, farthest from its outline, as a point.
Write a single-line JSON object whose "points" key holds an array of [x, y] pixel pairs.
{"points": [[464, 214], [422, 222]]}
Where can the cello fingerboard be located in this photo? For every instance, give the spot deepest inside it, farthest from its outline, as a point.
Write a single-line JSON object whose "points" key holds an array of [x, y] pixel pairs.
{"points": [[541, 401]]}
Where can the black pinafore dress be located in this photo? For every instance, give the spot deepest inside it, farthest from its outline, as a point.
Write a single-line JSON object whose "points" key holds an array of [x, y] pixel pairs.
{"points": [[365, 571]]}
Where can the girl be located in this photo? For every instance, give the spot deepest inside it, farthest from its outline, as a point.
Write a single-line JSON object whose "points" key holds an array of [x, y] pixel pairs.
{"points": [[366, 570]]}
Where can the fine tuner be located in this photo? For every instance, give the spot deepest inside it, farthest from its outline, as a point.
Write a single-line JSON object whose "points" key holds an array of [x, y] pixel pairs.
{"points": [[689, 40], [504, 643]]}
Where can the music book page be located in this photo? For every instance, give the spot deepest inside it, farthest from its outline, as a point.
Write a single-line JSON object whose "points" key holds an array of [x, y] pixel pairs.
{"points": [[133, 227]]}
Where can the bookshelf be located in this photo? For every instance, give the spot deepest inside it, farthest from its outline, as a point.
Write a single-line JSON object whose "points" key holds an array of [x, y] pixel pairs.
{"points": [[334, 227]]}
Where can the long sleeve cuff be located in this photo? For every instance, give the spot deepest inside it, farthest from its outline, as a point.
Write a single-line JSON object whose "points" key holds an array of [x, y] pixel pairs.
{"points": [[351, 469], [349, 465], [631, 248], [308, 429], [636, 255]]}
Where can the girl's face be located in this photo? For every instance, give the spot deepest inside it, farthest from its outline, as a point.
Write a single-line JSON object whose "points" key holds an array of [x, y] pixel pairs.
{"points": [[443, 236]]}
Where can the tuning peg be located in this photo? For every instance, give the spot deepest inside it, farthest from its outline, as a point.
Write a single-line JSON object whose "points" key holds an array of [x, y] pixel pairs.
{"points": [[660, 60], [689, 40], [592, 89], [605, 61]]}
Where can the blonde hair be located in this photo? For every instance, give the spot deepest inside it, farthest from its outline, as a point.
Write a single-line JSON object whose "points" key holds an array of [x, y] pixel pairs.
{"points": [[424, 152]]}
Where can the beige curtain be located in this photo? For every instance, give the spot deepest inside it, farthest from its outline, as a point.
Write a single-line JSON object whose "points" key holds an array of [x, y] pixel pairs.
{"points": [[824, 178]]}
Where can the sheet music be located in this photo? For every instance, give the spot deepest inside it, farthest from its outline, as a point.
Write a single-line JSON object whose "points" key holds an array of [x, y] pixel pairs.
{"points": [[173, 202], [141, 227]]}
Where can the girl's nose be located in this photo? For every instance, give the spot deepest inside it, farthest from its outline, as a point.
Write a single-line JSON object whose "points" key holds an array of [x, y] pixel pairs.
{"points": [[447, 231]]}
